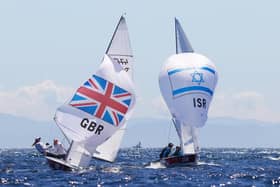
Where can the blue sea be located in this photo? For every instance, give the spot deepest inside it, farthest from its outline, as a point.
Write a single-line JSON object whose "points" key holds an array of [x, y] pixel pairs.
{"points": [[216, 167]]}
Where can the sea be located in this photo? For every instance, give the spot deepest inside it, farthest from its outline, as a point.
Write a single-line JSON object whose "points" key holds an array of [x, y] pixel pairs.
{"points": [[216, 167]]}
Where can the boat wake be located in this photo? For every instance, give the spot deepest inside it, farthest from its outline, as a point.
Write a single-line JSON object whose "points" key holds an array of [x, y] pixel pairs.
{"points": [[112, 170], [86, 170], [207, 163], [273, 158], [155, 165]]}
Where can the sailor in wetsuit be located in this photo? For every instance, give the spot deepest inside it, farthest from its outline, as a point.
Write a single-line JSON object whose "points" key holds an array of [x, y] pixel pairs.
{"points": [[166, 151]]}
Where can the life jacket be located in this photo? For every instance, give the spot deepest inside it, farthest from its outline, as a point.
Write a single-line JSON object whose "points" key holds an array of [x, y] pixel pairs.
{"points": [[162, 152]]}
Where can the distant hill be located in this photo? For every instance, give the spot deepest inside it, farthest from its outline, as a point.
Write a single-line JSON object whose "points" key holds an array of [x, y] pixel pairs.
{"points": [[229, 132], [18, 132], [218, 132]]}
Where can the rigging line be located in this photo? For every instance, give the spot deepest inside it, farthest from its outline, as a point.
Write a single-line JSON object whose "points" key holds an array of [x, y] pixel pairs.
{"points": [[169, 132], [51, 130], [64, 135]]}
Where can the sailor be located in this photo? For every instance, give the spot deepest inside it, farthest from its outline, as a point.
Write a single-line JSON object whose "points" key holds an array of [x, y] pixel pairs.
{"points": [[39, 145], [177, 151], [57, 150], [166, 151]]}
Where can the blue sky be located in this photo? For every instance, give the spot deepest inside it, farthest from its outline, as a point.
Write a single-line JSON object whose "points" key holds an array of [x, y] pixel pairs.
{"points": [[48, 48]]}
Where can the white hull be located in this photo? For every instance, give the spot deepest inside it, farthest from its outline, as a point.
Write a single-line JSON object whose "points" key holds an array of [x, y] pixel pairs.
{"points": [[60, 164]]}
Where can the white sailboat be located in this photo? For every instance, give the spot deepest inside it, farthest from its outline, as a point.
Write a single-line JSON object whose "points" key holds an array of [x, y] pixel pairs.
{"points": [[187, 83], [99, 109]]}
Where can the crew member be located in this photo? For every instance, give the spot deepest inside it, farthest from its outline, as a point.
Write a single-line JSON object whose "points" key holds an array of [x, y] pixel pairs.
{"points": [[166, 151], [58, 150], [40, 146], [177, 151]]}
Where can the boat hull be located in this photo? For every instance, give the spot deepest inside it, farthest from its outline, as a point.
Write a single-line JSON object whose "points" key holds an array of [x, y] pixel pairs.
{"points": [[59, 164], [185, 160]]}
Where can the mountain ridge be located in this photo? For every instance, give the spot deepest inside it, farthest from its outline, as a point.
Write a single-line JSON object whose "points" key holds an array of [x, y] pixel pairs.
{"points": [[152, 132]]}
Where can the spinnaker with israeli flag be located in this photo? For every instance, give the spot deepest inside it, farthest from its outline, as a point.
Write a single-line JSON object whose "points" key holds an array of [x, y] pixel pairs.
{"points": [[98, 109], [187, 83]]}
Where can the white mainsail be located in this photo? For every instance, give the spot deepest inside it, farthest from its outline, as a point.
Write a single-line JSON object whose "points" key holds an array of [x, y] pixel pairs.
{"points": [[100, 107], [182, 43], [119, 48], [120, 51], [187, 83]]}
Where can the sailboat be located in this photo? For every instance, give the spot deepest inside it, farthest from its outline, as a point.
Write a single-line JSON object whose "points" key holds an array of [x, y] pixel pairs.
{"points": [[187, 82], [137, 146], [95, 117]]}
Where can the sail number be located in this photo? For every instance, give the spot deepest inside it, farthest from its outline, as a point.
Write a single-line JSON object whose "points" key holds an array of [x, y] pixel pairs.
{"points": [[91, 126], [123, 62], [199, 102]]}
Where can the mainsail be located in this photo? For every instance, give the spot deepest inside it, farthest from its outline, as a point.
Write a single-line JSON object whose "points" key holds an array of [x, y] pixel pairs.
{"points": [[182, 43], [120, 51], [99, 108], [119, 48], [187, 83]]}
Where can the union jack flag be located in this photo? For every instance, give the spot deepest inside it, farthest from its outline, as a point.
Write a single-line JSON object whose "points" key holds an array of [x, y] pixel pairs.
{"points": [[102, 99]]}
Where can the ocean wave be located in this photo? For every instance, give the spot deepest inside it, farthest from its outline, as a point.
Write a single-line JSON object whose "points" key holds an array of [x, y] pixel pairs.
{"points": [[112, 169], [199, 163], [216, 167], [273, 158]]}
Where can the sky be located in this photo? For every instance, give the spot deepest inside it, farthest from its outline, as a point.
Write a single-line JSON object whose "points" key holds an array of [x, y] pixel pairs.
{"points": [[49, 48]]}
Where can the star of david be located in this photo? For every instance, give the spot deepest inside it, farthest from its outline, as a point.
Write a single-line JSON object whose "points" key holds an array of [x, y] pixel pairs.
{"points": [[197, 77]]}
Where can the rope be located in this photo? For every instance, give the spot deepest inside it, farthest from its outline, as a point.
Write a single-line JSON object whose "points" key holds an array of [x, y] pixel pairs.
{"points": [[50, 133], [169, 132]]}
